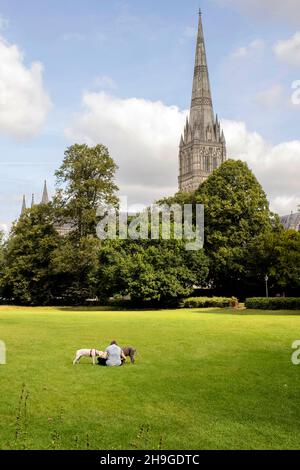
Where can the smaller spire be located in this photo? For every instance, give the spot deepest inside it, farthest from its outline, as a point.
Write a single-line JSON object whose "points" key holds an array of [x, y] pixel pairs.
{"points": [[32, 201], [45, 198], [23, 205]]}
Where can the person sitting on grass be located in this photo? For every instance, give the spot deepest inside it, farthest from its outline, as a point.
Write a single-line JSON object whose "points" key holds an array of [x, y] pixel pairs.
{"points": [[115, 356]]}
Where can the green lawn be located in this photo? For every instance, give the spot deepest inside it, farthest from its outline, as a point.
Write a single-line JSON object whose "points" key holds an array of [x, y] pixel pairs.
{"points": [[203, 380]]}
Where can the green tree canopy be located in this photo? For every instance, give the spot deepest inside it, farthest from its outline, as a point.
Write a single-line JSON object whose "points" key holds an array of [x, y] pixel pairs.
{"points": [[27, 277], [75, 265], [277, 254], [84, 181], [236, 211], [149, 271]]}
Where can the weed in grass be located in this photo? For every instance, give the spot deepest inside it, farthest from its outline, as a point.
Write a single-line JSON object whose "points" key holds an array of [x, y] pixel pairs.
{"points": [[22, 420], [160, 445], [141, 438], [76, 442], [55, 440], [55, 437]]}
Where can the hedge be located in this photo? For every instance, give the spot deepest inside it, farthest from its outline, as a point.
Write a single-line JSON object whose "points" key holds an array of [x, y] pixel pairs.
{"points": [[208, 302], [273, 303]]}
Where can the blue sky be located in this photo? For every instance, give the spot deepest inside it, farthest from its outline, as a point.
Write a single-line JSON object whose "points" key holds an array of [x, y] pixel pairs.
{"points": [[112, 70]]}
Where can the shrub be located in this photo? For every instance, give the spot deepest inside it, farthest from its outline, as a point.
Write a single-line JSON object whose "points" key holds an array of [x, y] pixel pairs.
{"points": [[208, 302], [273, 303]]}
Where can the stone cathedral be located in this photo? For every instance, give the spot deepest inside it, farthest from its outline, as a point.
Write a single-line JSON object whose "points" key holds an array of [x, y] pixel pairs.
{"points": [[202, 145]]}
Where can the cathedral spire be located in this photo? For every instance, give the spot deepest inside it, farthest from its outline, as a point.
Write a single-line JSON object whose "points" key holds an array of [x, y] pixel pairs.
{"points": [[45, 198], [23, 205], [201, 106], [203, 145]]}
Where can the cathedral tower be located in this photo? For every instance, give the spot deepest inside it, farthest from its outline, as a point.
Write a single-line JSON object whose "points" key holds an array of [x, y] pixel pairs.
{"points": [[23, 205], [203, 145], [45, 198]]}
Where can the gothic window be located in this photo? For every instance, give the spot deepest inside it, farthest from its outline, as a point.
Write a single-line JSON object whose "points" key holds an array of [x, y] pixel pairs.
{"points": [[209, 134], [207, 163]]}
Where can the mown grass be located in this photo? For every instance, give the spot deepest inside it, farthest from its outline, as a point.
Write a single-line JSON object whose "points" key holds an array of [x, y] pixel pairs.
{"points": [[203, 380]]}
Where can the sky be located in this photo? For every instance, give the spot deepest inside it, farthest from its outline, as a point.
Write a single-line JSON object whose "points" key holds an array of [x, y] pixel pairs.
{"points": [[120, 73]]}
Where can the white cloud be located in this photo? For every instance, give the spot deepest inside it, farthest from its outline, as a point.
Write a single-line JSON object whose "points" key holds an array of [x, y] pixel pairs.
{"points": [[143, 138], [284, 205], [271, 97], [24, 104], [277, 167], [285, 11], [5, 228], [295, 98], [289, 50], [255, 47]]}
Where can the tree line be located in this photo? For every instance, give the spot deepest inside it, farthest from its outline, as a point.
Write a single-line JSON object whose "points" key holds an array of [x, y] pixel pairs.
{"points": [[244, 242]]}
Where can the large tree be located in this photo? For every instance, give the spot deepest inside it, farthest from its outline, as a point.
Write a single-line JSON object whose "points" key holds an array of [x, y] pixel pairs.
{"points": [[84, 181], [27, 277], [42, 267], [150, 271], [276, 254], [74, 265], [236, 211], [2, 259]]}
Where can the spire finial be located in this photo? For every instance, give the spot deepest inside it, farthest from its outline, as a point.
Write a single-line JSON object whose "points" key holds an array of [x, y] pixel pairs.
{"points": [[45, 198], [200, 12], [23, 205]]}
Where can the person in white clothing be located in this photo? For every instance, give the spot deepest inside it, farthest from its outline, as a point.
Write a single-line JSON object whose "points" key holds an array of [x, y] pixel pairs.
{"points": [[114, 355]]}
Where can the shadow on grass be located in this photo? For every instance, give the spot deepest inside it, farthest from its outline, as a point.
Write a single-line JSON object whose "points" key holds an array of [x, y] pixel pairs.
{"points": [[86, 309], [275, 313], [111, 309], [248, 313], [208, 311]]}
